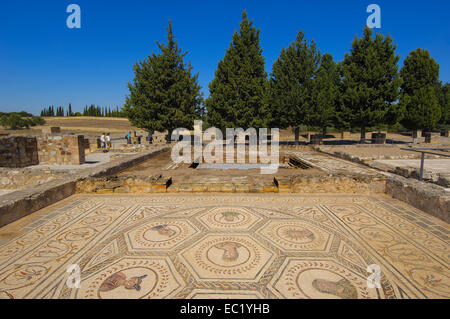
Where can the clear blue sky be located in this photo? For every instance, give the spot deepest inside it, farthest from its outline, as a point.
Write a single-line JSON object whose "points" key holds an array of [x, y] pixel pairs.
{"points": [[42, 62]]}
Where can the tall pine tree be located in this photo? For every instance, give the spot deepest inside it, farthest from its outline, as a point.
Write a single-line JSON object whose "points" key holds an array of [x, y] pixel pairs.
{"points": [[370, 82], [325, 93], [420, 91], [291, 83], [238, 93], [164, 94]]}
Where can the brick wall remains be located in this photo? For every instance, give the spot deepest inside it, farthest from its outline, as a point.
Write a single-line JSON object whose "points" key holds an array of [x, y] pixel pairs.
{"points": [[18, 151]]}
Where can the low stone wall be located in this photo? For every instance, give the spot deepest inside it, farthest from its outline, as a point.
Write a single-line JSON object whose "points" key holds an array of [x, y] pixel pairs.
{"points": [[91, 145], [18, 151], [123, 184], [61, 149], [297, 184], [18, 204], [51, 130], [21, 178], [430, 198]]}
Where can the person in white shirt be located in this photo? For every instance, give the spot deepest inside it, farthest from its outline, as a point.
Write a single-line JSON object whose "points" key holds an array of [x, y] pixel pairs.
{"points": [[103, 141], [108, 141]]}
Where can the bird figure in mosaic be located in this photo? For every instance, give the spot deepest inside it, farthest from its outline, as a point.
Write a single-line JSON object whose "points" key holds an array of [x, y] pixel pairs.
{"points": [[342, 288], [120, 279]]}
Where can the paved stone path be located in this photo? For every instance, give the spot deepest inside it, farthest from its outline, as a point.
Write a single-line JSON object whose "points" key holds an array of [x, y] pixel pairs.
{"points": [[440, 166], [92, 160], [226, 246], [332, 164]]}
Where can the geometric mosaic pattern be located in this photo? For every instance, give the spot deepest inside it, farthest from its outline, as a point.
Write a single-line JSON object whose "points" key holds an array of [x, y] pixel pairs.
{"points": [[228, 246]]}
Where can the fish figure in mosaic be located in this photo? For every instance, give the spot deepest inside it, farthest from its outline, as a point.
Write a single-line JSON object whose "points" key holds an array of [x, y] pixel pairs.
{"points": [[299, 234]]}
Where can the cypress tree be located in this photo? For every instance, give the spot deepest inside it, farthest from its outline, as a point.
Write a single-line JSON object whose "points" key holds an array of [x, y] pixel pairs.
{"points": [[164, 94], [291, 83], [370, 82], [325, 93], [444, 101], [238, 93], [420, 91]]}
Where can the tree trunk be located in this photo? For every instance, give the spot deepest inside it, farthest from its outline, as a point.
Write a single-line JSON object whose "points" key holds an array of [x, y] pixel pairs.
{"points": [[363, 135], [169, 136], [324, 132], [297, 133], [415, 135]]}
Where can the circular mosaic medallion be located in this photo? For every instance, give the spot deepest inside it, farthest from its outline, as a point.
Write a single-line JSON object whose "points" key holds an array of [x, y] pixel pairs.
{"points": [[160, 234], [132, 279], [227, 257], [321, 280], [228, 254], [296, 235], [225, 218]]}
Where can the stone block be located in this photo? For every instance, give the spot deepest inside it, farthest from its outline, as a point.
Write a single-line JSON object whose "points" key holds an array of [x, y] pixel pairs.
{"points": [[51, 130], [345, 135], [62, 149], [18, 151], [432, 138]]}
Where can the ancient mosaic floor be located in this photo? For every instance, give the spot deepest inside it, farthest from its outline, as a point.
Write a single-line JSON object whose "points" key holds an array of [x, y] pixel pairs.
{"points": [[227, 246]]}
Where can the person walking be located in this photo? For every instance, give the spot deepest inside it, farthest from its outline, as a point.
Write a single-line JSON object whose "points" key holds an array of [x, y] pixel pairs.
{"points": [[128, 137], [150, 138], [108, 141], [103, 141]]}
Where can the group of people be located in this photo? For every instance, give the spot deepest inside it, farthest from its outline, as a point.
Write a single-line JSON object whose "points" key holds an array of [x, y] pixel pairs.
{"points": [[105, 140], [149, 138]]}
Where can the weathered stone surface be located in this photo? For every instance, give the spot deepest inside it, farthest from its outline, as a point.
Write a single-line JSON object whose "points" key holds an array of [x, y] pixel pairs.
{"points": [[61, 149], [428, 197], [18, 151], [21, 203], [21, 178], [51, 130]]}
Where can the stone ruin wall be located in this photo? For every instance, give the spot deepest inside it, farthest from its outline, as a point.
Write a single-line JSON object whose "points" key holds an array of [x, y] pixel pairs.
{"points": [[61, 149], [18, 151]]}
